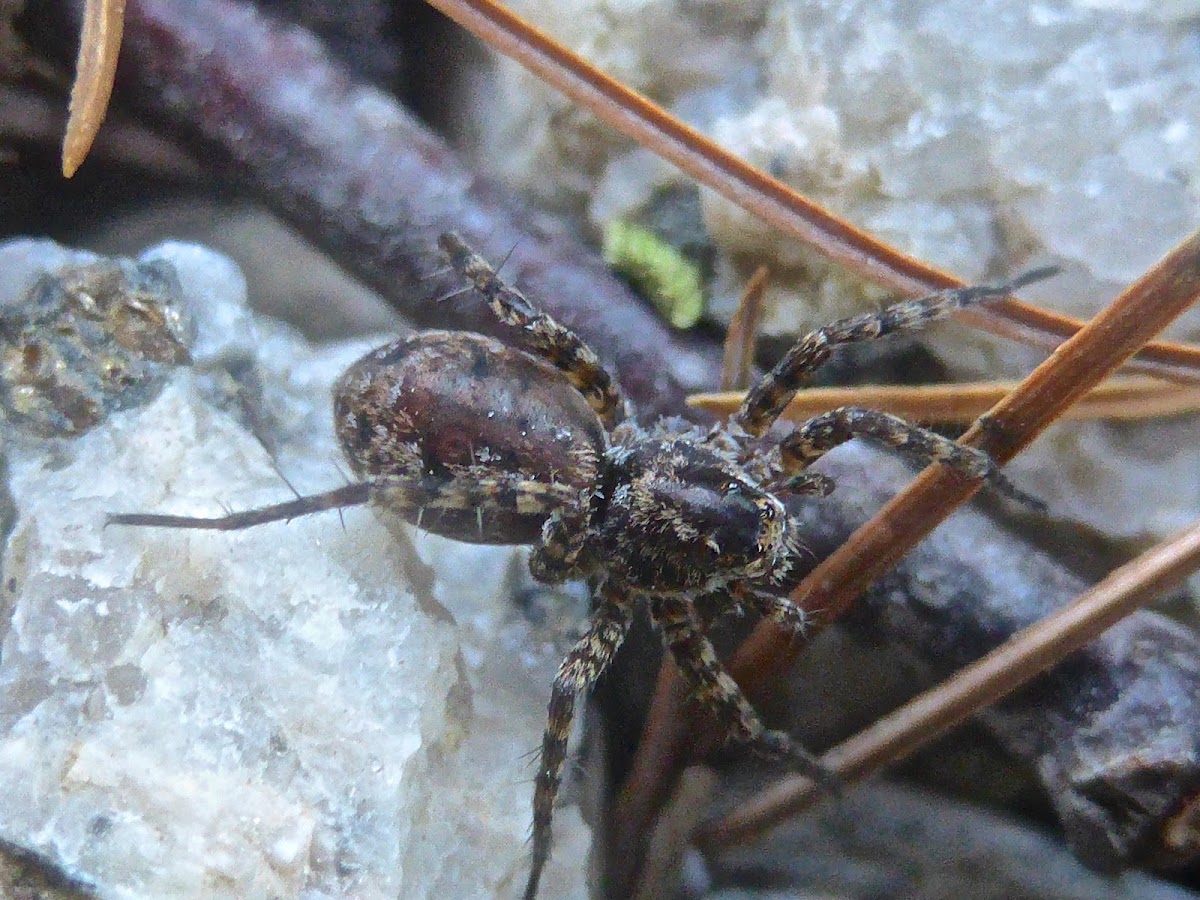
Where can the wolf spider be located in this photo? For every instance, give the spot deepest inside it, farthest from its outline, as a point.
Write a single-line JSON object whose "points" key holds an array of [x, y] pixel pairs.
{"points": [[529, 443]]}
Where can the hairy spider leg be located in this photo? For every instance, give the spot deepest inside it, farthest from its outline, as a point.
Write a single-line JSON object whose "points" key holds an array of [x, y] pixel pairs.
{"points": [[578, 673], [820, 434], [565, 539], [400, 494], [775, 390], [716, 690], [538, 333], [782, 611], [348, 495]]}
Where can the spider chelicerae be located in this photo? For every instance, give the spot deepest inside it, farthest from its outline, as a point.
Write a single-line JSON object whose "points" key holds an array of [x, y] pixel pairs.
{"points": [[529, 442]]}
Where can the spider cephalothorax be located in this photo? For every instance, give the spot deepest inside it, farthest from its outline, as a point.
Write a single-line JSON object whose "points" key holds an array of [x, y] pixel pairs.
{"points": [[527, 443], [680, 515]]}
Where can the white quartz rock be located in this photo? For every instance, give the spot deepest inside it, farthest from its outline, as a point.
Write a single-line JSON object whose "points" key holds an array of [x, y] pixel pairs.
{"points": [[305, 709]]}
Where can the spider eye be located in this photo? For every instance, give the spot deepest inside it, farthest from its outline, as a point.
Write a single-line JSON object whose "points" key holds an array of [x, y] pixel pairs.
{"points": [[769, 512]]}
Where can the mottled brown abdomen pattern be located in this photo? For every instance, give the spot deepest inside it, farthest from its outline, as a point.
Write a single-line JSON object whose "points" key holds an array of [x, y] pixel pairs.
{"points": [[452, 411]]}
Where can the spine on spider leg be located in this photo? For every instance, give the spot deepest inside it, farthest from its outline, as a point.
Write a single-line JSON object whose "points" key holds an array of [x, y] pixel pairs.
{"points": [[767, 399], [349, 495], [510, 305]]}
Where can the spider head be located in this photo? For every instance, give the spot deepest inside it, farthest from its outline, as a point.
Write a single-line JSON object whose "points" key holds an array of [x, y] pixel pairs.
{"points": [[684, 517]]}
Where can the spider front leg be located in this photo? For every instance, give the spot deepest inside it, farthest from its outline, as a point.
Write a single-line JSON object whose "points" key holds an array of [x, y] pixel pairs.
{"points": [[537, 333], [822, 433], [578, 673], [780, 610], [715, 688], [774, 391]]}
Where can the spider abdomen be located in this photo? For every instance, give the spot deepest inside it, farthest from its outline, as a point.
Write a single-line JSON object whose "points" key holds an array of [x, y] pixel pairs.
{"points": [[493, 433]]}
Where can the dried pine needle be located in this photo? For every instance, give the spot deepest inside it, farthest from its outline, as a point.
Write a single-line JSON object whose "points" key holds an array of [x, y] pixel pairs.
{"points": [[738, 361], [1118, 398], [99, 46]]}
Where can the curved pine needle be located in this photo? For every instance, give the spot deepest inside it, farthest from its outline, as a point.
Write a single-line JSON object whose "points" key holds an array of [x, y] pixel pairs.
{"points": [[95, 69], [986, 681], [737, 363], [963, 403], [765, 197]]}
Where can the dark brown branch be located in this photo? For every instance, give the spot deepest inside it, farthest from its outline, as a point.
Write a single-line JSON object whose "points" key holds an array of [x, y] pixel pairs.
{"points": [[355, 171]]}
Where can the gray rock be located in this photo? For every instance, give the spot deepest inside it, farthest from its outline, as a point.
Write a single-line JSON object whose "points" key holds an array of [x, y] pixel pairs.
{"points": [[307, 709], [884, 840]]}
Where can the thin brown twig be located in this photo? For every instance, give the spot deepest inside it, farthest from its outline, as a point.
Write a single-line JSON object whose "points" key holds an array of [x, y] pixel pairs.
{"points": [[95, 69], [738, 360], [964, 402], [765, 197], [993, 677], [1141, 311]]}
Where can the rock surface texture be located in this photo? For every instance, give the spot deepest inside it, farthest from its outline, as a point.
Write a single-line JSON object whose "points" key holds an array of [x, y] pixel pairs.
{"points": [[307, 709]]}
